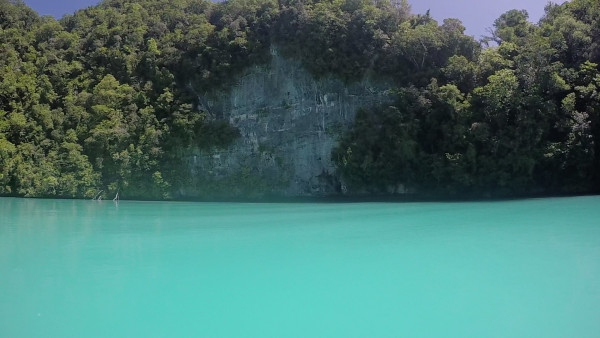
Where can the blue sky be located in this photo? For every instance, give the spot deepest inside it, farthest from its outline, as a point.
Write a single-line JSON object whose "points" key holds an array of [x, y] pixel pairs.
{"points": [[476, 15]]}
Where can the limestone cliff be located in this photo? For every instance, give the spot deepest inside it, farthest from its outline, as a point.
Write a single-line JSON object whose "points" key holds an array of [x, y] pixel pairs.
{"points": [[289, 122]]}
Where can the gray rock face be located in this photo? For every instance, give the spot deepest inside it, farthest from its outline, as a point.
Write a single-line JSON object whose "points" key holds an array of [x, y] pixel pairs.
{"points": [[289, 122]]}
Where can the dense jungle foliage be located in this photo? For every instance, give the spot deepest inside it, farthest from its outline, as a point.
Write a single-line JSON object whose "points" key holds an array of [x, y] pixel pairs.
{"points": [[107, 99], [519, 118]]}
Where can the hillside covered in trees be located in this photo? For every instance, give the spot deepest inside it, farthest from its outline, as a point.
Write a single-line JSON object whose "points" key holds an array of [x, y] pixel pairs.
{"points": [[107, 99]]}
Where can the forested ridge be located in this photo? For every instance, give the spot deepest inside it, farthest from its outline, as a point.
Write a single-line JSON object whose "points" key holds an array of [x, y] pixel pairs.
{"points": [[107, 99]]}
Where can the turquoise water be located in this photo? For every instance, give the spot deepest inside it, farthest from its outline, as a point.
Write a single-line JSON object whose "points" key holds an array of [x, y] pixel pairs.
{"points": [[501, 269]]}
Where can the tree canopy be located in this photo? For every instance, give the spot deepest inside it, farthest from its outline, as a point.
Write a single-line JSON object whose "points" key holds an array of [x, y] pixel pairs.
{"points": [[106, 98], [518, 118]]}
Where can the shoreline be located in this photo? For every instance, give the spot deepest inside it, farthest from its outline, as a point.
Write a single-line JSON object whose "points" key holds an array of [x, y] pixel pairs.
{"points": [[342, 199]]}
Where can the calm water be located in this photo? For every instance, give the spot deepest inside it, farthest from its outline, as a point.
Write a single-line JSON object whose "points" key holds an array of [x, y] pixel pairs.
{"points": [[505, 269]]}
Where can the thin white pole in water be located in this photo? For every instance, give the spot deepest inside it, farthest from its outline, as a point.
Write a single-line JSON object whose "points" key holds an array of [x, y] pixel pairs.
{"points": [[97, 197]]}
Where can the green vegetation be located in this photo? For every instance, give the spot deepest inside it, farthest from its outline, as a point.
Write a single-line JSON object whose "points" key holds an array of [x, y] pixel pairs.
{"points": [[518, 118], [107, 98]]}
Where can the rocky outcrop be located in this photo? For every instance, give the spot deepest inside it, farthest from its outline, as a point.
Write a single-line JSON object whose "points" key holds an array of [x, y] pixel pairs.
{"points": [[289, 122]]}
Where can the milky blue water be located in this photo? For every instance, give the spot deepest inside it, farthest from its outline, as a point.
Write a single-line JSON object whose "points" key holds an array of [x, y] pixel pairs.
{"points": [[526, 268]]}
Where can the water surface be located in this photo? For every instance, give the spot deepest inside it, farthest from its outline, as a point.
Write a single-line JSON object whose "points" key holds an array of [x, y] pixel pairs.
{"points": [[526, 268]]}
